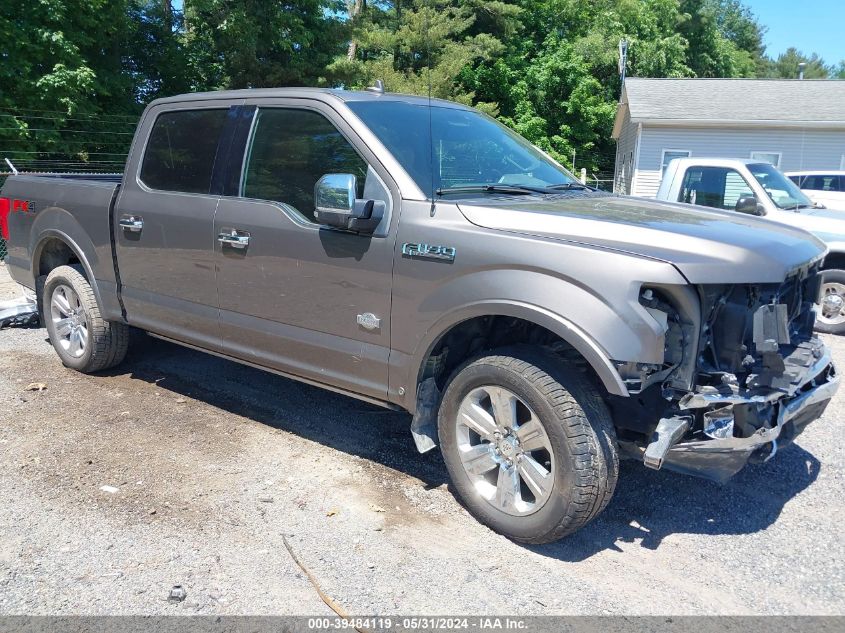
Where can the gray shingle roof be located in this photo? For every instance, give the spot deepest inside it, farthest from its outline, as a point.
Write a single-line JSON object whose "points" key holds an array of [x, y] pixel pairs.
{"points": [[737, 100]]}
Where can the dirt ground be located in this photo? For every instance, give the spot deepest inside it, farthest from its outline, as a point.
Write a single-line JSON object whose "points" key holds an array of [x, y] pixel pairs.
{"points": [[208, 465]]}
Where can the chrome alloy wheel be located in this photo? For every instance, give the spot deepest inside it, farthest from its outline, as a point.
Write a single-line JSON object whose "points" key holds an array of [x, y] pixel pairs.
{"points": [[505, 450], [69, 320], [831, 308]]}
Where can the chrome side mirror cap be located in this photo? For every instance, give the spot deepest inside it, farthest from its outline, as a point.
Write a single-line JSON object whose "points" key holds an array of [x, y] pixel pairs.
{"points": [[335, 205], [334, 199]]}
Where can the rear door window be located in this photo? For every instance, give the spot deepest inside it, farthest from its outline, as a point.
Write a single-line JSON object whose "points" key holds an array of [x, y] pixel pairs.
{"points": [[181, 150]]}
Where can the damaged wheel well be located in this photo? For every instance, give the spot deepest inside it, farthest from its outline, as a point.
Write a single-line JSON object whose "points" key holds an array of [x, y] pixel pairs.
{"points": [[473, 336], [470, 338]]}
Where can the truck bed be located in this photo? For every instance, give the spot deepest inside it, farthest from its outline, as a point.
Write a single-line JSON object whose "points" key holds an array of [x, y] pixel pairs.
{"points": [[75, 208]]}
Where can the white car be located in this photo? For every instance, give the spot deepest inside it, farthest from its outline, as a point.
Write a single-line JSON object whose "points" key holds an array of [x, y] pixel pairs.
{"points": [[825, 187], [757, 188]]}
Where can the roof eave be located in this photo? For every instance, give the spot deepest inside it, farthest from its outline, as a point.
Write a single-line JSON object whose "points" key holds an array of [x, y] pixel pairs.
{"points": [[769, 123]]}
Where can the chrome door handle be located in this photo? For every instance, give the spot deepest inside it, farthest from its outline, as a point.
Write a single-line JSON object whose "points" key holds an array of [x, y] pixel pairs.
{"points": [[234, 238], [131, 223]]}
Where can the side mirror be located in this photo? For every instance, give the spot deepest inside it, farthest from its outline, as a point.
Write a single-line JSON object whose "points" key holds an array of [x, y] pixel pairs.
{"points": [[749, 205], [335, 205]]}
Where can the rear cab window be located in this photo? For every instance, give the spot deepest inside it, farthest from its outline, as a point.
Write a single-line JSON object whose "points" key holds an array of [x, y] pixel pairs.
{"points": [[181, 150]]}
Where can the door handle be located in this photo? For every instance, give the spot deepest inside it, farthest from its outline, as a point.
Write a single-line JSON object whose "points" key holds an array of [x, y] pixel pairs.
{"points": [[131, 223], [234, 238]]}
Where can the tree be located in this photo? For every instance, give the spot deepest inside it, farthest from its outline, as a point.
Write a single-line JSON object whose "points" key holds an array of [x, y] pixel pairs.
{"points": [[419, 46], [261, 43], [723, 38], [61, 68], [154, 51], [786, 66]]}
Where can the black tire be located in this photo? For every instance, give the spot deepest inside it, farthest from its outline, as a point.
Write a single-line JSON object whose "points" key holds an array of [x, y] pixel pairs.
{"points": [[577, 424], [833, 276], [107, 340]]}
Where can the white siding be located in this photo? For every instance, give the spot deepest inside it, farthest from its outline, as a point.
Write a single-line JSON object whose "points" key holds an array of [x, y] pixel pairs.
{"points": [[799, 148], [625, 157]]}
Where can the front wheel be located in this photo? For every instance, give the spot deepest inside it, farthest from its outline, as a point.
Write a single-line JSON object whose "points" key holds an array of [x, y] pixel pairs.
{"points": [[529, 444], [830, 311], [81, 337]]}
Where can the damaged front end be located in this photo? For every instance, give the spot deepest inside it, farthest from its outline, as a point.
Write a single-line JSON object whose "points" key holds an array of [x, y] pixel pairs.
{"points": [[743, 376]]}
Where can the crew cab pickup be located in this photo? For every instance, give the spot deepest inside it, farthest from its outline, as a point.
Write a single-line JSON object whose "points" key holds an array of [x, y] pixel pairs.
{"points": [[416, 254], [755, 188]]}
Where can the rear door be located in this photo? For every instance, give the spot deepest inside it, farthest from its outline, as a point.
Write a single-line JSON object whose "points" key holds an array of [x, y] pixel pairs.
{"points": [[164, 222], [295, 296]]}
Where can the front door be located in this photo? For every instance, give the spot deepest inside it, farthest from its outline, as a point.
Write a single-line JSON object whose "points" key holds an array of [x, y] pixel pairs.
{"points": [[164, 225], [304, 299]]}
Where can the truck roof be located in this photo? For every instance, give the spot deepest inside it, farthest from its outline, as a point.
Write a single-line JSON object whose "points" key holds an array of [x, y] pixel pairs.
{"points": [[323, 94], [816, 172], [717, 162]]}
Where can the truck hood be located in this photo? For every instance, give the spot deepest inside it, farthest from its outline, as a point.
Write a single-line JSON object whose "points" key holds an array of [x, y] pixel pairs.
{"points": [[826, 224], [705, 245]]}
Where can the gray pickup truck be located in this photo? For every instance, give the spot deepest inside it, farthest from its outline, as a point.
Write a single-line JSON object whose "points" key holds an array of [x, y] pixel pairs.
{"points": [[418, 255]]}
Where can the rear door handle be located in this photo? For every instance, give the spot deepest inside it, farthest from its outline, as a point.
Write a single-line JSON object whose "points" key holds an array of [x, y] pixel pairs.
{"points": [[131, 223], [234, 238]]}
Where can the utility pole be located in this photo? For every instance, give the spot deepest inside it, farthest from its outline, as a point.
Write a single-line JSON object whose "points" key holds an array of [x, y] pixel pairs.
{"points": [[623, 59]]}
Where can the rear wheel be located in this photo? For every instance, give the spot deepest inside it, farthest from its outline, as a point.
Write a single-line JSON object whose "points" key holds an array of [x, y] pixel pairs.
{"points": [[81, 337], [830, 311], [529, 444]]}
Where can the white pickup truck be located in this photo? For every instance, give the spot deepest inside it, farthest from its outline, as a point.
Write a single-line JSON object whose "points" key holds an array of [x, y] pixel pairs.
{"points": [[757, 188]]}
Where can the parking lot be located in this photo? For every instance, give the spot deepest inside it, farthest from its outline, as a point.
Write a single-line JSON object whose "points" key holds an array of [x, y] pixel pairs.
{"points": [[209, 466]]}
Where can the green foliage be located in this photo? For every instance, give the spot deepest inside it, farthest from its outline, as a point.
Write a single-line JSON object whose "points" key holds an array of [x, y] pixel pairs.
{"points": [[786, 66], [75, 74], [260, 43], [421, 45]]}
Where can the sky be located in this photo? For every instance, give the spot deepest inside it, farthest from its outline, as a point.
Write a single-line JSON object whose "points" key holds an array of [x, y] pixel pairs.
{"points": [[811, 26]]}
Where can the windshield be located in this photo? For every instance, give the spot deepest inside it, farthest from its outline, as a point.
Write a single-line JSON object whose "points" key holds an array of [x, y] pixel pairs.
{"points": [[783, 192], [465, 147]]}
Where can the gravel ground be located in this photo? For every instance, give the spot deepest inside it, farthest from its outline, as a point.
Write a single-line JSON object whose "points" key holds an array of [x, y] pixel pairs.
{"points": [[214, 463]]}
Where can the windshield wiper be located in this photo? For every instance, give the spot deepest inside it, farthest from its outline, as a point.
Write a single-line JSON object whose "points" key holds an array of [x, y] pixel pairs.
{"points": [[502, 188], [570, 186]]}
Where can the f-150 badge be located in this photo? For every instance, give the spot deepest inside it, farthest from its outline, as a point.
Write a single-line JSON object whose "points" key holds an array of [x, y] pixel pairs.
{"points": [[429, 251]]}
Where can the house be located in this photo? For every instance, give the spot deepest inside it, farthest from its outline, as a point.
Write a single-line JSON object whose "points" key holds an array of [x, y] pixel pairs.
{"points": [[793, 124]]}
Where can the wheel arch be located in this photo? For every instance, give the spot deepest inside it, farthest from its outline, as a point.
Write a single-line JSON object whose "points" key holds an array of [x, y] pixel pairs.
{"points": [[49, 253], [835, 260], [558, 326]]}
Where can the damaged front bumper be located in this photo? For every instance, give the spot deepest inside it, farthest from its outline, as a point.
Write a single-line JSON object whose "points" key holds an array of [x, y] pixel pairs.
{"points": [[780, 415]]}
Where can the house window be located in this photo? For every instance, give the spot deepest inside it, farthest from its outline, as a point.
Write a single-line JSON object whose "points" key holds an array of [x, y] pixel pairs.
{"points": [[772, 158], [669, 154]]}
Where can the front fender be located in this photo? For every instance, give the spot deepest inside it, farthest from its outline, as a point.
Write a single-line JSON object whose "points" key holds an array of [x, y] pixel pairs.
{"points": [[562, 327]]}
